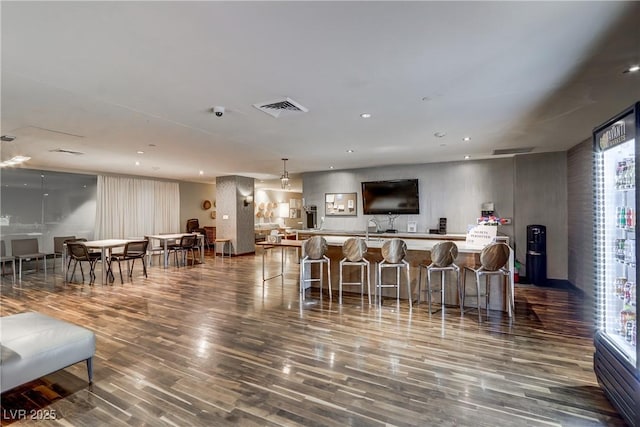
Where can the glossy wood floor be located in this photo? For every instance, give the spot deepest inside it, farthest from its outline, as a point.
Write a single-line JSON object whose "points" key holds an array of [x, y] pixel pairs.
{"points": [[210, 346]]}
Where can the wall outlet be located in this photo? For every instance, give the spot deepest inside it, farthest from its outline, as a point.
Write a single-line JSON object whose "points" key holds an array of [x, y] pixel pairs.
{"points": [[225, 216]]}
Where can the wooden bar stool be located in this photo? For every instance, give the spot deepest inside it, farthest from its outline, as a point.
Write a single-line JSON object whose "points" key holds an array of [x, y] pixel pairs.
{"points": [[314, 251], [442, 256], [394, 252], [494, 261], [225, 242], [353, 250]]}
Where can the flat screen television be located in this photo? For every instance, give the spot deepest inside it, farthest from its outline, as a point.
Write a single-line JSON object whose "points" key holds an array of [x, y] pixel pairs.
{"points": [[397, 197]]}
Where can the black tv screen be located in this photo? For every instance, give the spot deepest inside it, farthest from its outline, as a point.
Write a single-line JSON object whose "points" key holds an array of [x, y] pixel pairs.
{"points": [[391, 197]]}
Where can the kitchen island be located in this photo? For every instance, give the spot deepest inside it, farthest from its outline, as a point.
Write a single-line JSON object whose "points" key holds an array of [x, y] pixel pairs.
{"points": [[418, 252]]}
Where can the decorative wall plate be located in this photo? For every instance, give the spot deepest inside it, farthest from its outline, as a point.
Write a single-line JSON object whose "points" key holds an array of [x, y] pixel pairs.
{"points": [[206, 205]]}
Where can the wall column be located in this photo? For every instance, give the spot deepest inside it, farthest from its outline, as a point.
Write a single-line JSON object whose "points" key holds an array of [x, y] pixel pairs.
{"points": [[234, 204]]}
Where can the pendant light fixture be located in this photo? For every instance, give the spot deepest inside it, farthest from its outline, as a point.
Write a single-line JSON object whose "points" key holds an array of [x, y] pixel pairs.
{"points": [[284, 179]]}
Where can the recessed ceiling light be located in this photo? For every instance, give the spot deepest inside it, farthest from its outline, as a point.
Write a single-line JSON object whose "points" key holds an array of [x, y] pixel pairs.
{"points": [[201, 172], [632, 69], [330, 167], [140, 152], [41, 176], [137, 163], [466, 139], [365, 115], [349, 151], [467, 157], [439, 134], [16, 160], [45, 194]]}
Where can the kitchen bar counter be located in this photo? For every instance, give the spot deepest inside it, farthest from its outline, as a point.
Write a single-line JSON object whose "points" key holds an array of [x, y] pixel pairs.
{"points": [[304, 234], [418, 252]]}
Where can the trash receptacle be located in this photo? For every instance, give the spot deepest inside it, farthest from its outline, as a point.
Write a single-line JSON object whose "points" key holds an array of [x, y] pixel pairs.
{"points": [[537, 254]]}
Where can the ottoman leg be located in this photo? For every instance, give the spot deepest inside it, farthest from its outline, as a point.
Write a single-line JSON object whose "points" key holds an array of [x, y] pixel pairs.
{"points": [[90, 369]]}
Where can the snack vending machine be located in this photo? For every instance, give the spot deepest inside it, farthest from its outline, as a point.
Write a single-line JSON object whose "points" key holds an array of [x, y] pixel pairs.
{"points": [[616, 358]]}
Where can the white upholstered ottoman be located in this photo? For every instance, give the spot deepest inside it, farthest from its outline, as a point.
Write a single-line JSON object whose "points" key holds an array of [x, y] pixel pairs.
{"points": [[33, 345]]}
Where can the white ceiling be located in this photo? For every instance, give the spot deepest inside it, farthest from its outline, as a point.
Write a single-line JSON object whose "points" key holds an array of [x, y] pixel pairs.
{"points": [[110, 78]]}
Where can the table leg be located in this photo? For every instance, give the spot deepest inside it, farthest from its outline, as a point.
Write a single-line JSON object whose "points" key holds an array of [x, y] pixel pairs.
{"points": [[166, 254], [264, 278], [64, 261], [282, 261], [104, 265]]}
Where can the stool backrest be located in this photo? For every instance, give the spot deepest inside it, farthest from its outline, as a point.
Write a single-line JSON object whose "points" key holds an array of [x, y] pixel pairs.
{"points": [[24, 247], [315, 247], [394, 250], [354, 249], [443, 254], [494, 256]]}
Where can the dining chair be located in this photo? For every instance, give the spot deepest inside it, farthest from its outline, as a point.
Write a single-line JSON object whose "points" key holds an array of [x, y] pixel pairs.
{"points": [[394, 252], [4, 258], [186, 244], [353, 251], [494, 261], [443, 255], [79, 254], [193, 226], [314, 250], [26, 250], [132, 251], [58, 248]]}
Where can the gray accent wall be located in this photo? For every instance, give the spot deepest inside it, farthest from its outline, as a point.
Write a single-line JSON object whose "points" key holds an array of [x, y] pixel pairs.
{"points": [[454, 190], [529, 189], [581, 219], [192, 194], [541, 198]]}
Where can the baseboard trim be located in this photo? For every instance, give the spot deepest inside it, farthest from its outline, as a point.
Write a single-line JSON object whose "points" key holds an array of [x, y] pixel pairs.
{"points": [[556, 284]]}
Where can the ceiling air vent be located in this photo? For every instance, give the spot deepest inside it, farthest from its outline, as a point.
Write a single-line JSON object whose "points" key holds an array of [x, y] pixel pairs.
{"points": [[281, 107], [521, 150], [62, 150]]}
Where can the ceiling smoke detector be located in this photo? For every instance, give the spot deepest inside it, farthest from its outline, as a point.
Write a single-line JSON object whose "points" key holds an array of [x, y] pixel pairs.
{"points": [[281, 107]]}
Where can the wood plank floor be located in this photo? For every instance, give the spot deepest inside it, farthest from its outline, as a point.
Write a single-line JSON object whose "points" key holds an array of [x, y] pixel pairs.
{"points": [[210, 346]]}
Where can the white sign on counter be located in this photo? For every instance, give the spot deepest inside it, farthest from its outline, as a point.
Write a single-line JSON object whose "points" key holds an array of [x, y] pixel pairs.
{"points": [[479, 236]]}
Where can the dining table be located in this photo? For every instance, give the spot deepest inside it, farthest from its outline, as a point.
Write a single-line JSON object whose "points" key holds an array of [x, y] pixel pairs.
{"points": [[283, 244], [164, 240], [105, 246]]}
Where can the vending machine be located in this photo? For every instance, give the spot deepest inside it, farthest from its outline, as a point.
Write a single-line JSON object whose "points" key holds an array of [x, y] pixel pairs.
{"points": [[616, 358]]}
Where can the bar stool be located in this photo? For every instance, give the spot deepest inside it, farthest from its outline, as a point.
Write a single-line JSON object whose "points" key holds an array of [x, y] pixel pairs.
{"points": [[225, 243], [494, 260], [314, 250], [353, 251], [442, 256], [394, 252]]}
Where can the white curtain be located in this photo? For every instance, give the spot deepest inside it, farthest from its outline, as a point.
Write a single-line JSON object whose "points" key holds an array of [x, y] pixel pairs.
{"points": [[132, 207]]}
